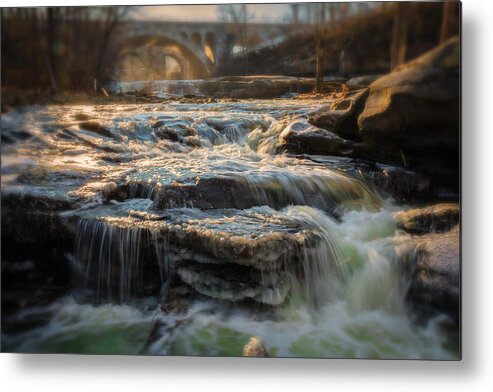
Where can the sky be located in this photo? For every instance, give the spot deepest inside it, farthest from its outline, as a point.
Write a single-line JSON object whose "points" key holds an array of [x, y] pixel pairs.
{"points": [[260, 12]]}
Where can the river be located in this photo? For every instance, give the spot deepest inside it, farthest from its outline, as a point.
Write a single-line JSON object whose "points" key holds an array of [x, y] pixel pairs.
{"points": [[196, 199]]}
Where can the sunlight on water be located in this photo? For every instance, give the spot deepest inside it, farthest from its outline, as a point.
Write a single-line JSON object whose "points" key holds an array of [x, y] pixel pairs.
{"points": [[211, 177]]}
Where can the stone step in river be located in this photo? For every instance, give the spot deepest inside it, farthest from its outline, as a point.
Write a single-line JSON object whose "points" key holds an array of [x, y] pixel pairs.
{"points": [[123, 207]]}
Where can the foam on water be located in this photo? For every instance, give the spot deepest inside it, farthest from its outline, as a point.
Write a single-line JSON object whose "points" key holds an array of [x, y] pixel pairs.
{"points": [[347, 289], [360, 312], [73, 327]]}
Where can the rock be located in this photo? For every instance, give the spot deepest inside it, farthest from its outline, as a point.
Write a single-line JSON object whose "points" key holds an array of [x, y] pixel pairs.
{"points": [[401, 184], [434, 286], [33, 229], [255, 348], [236, 283], [301, 137], [95, 127], [177, 299], [342, 119], [192, 141], [261, 238], [411, 116], [362, 81], [233, 255], [254, 86], [225, 192], [436, 218], [167, 133], [325, 191], [81, 117], [157, 124]]}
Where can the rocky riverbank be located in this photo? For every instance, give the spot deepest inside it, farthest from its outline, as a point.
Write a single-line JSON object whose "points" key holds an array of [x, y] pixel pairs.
{"points": [[317, 225]]}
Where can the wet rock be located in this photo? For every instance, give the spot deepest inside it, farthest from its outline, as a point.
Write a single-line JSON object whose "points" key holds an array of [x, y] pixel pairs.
{"points": [[157, 124], [82, 117], [342, 117], [92, 141], [167, 133], [435, 276], [436, 218], [31, 232], [206, 193], [36, 199], [401, 184], [217, 236], [255, 348], [95, 127], [411, 116], [192, 141], [301, 137], [9, 136], [177, 299], [236, 283], [240, 193], [233, 255]]}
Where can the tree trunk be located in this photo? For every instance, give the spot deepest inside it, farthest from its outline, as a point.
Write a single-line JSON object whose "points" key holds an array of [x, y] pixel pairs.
{"points": [[448, 15], [399, 36], [320, 76], [320, 50], [50, 56]]}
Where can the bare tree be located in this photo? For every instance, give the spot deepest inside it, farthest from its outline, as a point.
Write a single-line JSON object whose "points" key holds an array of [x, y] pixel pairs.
{"points": [[238, 15], [448, 16], [52, 45], [295, 12], [399, 35], [320, 32], [111, 17]]}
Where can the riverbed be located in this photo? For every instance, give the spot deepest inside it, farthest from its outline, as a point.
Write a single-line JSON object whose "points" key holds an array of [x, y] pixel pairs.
{"points": [[185, 228]]}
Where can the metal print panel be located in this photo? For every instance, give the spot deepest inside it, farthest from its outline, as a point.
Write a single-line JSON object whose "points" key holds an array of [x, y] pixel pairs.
{"points": [[266, 180]]}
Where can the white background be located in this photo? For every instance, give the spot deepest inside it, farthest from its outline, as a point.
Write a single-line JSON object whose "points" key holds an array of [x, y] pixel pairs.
{"points": [[473, 373]]}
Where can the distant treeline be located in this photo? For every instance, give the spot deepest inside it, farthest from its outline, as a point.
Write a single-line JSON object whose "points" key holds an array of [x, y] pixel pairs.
{"points": [[372, 41], [58, 49], [55, 49]]}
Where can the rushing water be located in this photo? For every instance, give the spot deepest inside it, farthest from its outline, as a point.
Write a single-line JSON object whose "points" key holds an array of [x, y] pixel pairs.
{"points": [[176, 187]]}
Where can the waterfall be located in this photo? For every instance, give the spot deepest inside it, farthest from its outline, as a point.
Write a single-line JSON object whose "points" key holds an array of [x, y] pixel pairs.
{"points": [[300, 250], [111, 260], [327, 191], [319, 274]]}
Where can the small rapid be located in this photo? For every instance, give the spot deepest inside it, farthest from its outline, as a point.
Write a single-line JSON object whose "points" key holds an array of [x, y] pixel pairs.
{"points": [[202, 198]]}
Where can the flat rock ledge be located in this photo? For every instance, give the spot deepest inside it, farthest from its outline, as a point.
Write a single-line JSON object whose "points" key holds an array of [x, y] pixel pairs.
{"points": [[229, 254]]}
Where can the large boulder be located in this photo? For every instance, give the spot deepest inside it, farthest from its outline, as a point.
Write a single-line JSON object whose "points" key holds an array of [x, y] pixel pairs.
{"points": [[412, 115], [436, 218], [434, 286]]}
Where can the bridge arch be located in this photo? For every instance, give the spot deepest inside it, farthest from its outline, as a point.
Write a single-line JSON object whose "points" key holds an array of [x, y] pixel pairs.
{"points": [[193, 64]]}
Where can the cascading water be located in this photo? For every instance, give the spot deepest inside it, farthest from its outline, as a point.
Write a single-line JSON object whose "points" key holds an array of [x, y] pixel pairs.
{"points": [[109, 260], [197, 192]]}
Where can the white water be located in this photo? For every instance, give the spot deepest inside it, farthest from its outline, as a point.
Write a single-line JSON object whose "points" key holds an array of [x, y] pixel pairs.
{"points": [[360, 313], [347, 293]]}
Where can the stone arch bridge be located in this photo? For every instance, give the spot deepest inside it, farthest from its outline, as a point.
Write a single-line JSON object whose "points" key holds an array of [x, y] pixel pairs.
{"points": [[186, 50]]}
